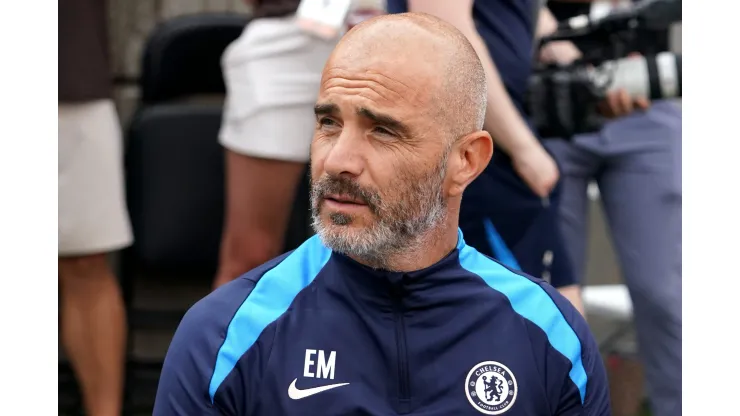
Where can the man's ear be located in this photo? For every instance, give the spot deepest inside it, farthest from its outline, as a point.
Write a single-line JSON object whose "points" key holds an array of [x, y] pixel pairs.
{"points": [[469, 157]]}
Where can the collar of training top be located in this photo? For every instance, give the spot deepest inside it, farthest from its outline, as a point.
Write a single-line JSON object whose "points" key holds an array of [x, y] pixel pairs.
{"points": [[397, 284]]}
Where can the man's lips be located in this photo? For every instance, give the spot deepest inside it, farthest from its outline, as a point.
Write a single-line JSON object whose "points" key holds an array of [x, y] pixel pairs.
{"points": [[344, 199]]}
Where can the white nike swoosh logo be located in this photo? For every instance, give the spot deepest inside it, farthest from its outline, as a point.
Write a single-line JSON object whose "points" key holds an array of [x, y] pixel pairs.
{"points": [[296, 394]]}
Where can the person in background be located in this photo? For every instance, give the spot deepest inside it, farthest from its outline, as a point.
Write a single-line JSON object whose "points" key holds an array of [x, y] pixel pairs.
{"points": [[510, 211], [636, 161], [93, 219], [272, 75]]}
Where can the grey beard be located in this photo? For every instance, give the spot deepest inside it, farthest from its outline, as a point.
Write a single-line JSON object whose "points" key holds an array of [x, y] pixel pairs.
{"points": [[396, 231]]}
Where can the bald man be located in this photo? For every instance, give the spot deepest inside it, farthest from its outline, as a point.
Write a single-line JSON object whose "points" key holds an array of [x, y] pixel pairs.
{"points": [[386, 311]]}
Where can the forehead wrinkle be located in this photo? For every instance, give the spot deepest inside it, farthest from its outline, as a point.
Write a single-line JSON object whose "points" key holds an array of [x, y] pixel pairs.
{"points": [[362, 88], [394, 81], [360, 92]]}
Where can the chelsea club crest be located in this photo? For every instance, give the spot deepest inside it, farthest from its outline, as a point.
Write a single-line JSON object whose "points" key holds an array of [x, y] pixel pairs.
{"points": [[491, 388]]}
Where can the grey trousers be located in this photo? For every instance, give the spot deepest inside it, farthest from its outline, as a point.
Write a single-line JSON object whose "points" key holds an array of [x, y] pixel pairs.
{"points": [[636, 162]]}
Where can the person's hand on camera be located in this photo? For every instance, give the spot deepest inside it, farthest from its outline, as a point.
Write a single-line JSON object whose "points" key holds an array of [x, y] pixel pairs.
{"points": [[619, 103], [537, 168]]}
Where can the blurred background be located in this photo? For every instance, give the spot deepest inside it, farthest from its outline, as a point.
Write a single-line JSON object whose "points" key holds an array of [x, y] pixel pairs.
{"points": [[131, 22]]}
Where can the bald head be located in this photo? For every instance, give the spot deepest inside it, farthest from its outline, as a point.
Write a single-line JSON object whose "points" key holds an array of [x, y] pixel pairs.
{"points": [[443, 71]]}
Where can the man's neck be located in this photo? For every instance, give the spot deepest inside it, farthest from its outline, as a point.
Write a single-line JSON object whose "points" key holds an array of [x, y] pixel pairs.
{"points": [[430, 248]]}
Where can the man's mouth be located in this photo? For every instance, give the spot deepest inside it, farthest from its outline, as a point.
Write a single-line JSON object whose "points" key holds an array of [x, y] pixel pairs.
{"points": [[344, 199]]}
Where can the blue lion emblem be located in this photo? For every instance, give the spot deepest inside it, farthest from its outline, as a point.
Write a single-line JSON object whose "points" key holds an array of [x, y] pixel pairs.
{"points": [[493, 388]]}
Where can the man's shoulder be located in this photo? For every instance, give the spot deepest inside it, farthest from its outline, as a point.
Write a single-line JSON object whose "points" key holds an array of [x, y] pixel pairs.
{"points": [[554, 319], [275, 282], [535, 298], [228, 322], [532, 298]]}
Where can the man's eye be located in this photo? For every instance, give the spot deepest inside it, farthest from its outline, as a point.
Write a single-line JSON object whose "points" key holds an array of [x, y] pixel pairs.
{"points": [[383, 131], [327, 122]]}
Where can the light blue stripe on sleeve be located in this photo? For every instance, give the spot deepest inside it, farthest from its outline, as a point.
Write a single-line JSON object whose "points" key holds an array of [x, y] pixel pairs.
{"points": [[269, 299], [532, 302]]}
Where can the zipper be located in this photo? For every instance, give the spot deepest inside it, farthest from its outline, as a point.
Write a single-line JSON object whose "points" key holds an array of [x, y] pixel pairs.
{"points": [[404, 388]]}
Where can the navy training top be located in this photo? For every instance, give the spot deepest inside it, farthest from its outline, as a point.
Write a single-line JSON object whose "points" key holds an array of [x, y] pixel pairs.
{"points": [[313, 332]]}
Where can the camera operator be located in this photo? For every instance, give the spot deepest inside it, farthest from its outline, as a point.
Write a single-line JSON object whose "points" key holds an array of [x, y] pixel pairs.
{"points": [[510, 211], [636, 161]]}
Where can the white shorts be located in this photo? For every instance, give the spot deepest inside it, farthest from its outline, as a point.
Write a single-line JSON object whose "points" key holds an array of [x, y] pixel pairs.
{"points": [[92, 209], [272, 74]]}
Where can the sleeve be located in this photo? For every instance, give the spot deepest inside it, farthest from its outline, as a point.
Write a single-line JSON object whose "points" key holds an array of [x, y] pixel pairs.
{"points": [[597, 401], [189, 364], [591, 398]]}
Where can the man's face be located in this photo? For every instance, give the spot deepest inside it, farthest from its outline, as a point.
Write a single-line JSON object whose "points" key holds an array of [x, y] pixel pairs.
{"points": [[378, 158]]}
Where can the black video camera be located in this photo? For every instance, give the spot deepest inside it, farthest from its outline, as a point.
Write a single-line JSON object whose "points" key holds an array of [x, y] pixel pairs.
{"points": [[562, 100]]}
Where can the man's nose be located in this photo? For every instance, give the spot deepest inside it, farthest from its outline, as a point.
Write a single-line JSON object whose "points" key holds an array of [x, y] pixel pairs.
{"points": [[345, 157]]}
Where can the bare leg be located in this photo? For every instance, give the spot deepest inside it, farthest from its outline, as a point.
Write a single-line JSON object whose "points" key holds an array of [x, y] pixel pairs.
{"points": [[573, 294], [259, 200], [94, 330]]}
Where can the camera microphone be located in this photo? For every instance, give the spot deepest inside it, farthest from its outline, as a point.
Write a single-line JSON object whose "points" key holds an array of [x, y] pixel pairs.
{"points": [[655, 77]]}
